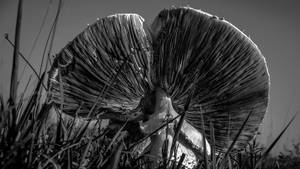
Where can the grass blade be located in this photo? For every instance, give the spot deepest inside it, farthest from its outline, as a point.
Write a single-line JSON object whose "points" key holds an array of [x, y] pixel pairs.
{"points": [[60, 5], [15, 66], [115, 138], [27, 62], [155, 131], [84, 155], [268, 150], [116, 158], [181, 120], [204, 140], [30, 105], [213, 150], [235, 139]]}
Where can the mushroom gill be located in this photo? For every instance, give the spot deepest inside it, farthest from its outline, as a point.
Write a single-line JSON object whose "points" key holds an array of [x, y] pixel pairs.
{"points": [[119, 63], [195, 52]]}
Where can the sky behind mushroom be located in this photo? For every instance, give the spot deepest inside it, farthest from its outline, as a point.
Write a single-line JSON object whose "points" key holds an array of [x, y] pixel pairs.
{"points": [[273, 26]]}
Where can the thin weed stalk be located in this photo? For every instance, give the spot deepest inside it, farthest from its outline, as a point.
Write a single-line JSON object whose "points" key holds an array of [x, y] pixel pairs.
{"points": [[15, 65]]}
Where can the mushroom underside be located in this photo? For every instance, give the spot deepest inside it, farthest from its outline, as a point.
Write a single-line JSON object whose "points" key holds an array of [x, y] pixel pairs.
{"points": [[205, 66]]}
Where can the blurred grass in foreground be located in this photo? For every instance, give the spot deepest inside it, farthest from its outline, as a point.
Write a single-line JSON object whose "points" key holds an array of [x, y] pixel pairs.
{"points": [[29, 140]]}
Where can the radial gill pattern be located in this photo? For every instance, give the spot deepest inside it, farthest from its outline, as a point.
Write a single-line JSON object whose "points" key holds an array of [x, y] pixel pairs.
{"points": [[185, 52], [109, 59], [199, 54]]}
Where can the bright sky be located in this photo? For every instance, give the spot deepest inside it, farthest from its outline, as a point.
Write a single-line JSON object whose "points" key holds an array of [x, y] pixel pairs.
{"points": [[273, 25]]}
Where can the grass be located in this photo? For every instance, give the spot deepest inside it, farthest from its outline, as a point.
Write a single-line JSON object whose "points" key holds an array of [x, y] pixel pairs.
{"points": [[28, 139]]}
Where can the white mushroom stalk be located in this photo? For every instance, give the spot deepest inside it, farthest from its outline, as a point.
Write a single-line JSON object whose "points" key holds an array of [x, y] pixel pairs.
{"points": [[163, 110], [124, 70]]}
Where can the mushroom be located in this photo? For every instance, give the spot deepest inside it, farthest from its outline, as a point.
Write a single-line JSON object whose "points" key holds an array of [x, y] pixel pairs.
{"points": [[187, 62]]}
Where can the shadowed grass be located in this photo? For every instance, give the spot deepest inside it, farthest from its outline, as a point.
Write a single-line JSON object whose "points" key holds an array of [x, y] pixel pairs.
{"points": [[29, 143]]}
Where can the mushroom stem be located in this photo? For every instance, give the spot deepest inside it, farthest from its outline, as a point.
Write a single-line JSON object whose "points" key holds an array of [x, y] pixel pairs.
{"points": [[163, 110], [157, 144]]}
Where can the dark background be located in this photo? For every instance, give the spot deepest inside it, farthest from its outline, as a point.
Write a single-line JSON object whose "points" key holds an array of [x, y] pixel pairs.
{"points": [[272, 25]]}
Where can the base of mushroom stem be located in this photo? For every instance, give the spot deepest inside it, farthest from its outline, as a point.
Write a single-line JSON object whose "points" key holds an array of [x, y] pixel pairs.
{"points": [[158, 149]]}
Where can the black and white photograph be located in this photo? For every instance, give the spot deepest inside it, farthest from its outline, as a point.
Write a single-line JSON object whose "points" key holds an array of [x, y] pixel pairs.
{"points": [[149, 84]]}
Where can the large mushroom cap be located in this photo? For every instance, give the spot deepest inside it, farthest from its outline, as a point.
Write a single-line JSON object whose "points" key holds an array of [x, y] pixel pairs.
{"points": [[186, 52], [195, 52], [109, 59]]}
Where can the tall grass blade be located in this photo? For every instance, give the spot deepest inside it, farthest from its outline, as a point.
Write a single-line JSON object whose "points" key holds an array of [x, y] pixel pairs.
{"points": [[27, 62], [38, 35], [268, 150], [175, 138], [204, 141], [115, 138], [152, 133], [57, 153], [181, 120], [31, 104], [116, 157], [1, 104], [213, 146], [15, 66], [21, 100], [60, 5], [71, 128], [100, 97], [84, 155], [69, 158], [42, 117], [234, 140]]}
